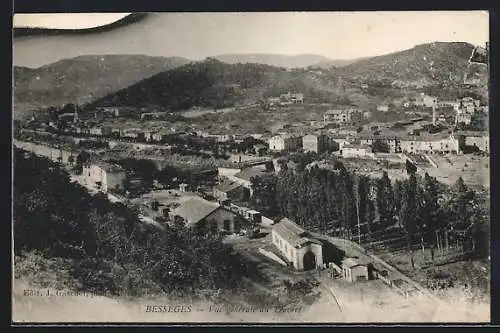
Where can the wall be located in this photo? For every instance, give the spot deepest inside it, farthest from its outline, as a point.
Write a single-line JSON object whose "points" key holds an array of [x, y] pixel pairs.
{"points": [[354, 152], [276, 144], [283, 245], [114, 180], [359, 271], [93, 174], [222, 214], [482, 142], [311, 247], [444, 145], [267, 221], [317, 144], [294, 255]]}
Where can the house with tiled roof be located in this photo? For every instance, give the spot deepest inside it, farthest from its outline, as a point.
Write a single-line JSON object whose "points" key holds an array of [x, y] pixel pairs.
{"points": [[296, 245], [200, 213], [355, 151], [227, 189], [244, 177]]}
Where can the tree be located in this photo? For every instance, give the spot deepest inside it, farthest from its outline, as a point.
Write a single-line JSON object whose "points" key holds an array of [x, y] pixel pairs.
{"points": [[82, 158], [398, 195], [380, 146], [409, 211], [264, 194], [410, 167], [385, 200], [430, 211]]}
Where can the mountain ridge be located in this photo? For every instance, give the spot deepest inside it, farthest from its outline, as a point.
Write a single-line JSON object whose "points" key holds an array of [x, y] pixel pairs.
{"points": [[83, 78], [437, 68]]}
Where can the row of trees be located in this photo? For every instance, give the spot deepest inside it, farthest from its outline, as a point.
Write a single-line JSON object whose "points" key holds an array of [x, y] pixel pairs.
{"points": [[357, 207], [112, 252]]}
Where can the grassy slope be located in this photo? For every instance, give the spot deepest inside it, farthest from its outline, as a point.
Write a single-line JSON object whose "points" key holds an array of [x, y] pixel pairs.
{"points": [[83, 78]]}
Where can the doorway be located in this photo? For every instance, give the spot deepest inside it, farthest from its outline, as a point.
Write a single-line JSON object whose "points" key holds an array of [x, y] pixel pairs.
{"points": [[309, 261]]}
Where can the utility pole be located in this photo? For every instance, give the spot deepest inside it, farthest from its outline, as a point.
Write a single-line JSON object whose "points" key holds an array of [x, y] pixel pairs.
{"points": [[434, 113]]}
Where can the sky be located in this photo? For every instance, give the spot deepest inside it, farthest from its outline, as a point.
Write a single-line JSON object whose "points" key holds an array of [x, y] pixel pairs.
{"points": [[336, 35]]}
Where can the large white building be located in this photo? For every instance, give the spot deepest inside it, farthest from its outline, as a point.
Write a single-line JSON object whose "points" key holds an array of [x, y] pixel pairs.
{"points": [[355, 151], [417, 144], [285, 142], [317, 143], [296, 245], [342, 116], [426, 101], [104, 175]]}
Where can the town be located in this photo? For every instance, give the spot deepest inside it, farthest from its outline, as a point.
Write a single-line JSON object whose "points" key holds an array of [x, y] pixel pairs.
{"points": [[220, 189], [238, 188]]}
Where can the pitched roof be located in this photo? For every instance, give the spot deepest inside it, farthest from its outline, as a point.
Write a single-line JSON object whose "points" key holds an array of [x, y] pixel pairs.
{"points": [[356, 146], [247, 174], [294, 234], [194, 210], [227, 186], [106, 166], [350, 263]]}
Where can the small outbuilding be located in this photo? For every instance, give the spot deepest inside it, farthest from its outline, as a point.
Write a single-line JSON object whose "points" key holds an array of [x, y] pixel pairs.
{"points": [[353, 270]]}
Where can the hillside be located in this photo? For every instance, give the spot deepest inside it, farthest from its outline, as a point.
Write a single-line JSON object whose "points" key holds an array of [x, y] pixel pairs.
{"points": [[335, 63], [278, 60], [83, 79], [174, 83], [423, 65], [436, 68], [212, 83]]}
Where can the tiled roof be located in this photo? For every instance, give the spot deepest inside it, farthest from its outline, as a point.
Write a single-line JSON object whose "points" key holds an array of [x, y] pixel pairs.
{"points": [[227, 186], [350, 263], [106, 166], [355, 146], [294, 234], [247, 174], [194, 210]]}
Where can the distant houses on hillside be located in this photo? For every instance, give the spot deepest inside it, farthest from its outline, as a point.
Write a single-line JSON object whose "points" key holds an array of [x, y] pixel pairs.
{"points": [[286, 99], [342, 116]]}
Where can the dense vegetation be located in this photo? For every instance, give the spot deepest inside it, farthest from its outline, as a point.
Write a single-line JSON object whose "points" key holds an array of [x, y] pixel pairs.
{"points": [[331, 201], [110, 251], [210, 83]]}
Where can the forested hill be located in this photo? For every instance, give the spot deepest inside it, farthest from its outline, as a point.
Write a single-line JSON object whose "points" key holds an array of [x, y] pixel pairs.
{"points": [[435, 68], [212, 83]]}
